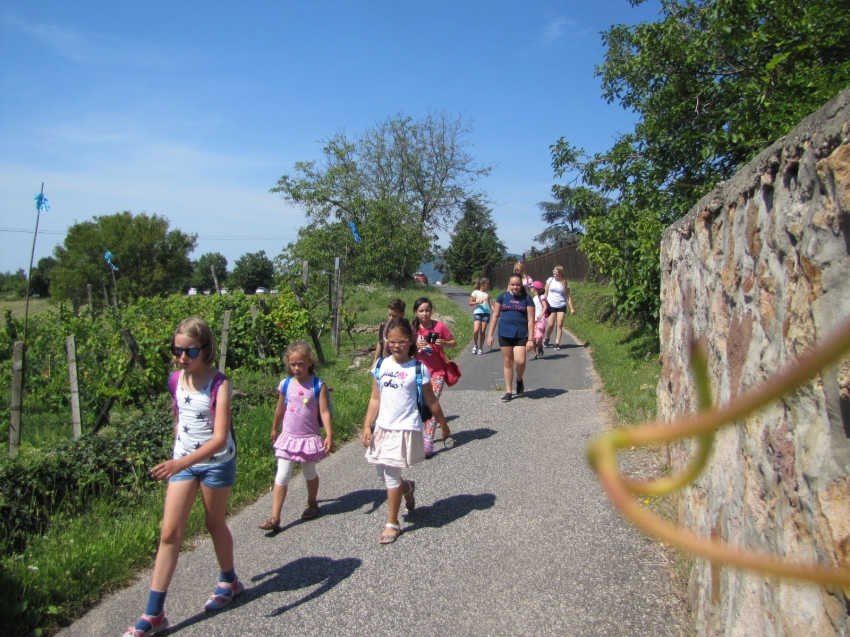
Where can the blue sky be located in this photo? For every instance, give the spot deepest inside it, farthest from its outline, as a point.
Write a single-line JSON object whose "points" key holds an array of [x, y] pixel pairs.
{"points": [[193, 110]]}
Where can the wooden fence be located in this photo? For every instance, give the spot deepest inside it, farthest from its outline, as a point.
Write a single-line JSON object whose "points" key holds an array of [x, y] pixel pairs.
{"points": [[575, 264]]}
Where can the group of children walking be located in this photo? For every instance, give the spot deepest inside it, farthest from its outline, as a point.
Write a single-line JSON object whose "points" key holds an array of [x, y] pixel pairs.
{"points": [[409, 373]]}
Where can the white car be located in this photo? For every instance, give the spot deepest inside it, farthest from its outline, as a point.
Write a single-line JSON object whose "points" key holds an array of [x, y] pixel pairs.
{"points": [[193, 291], [262, 291], [225, 290], [273, 292]]}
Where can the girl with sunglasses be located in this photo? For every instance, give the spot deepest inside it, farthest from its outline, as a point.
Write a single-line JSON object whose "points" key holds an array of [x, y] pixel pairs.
{"points": [[204, 458]]}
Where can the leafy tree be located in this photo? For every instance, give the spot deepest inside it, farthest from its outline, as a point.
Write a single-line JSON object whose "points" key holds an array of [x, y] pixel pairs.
{"points": [[391, 247], [151, 260], [713, 83], [202, 277], [565, 214], [13, 286], [474, 246], [423, 165], [253, 270], [41, 275]]}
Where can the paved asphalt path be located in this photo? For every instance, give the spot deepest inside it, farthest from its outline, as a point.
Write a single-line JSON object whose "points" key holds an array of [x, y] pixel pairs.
{"points": [[511, 536]]}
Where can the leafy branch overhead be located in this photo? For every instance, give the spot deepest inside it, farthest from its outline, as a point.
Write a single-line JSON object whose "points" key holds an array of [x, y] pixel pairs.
{"points": [[713, 82]]}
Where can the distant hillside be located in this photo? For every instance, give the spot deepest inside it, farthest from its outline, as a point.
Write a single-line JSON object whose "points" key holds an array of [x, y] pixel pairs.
{"points": [[428, 270]]}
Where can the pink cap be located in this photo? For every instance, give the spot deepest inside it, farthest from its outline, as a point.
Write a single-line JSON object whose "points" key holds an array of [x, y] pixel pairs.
{"points": [[537, 285]]}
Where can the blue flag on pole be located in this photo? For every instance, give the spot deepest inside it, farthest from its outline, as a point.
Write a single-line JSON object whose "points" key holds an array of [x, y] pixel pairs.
{"points": [[41, 203], [108, 257], [354, 232]]}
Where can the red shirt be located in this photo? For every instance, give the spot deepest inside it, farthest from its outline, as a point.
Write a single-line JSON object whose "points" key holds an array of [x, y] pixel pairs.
{"points": [[435, 360]]}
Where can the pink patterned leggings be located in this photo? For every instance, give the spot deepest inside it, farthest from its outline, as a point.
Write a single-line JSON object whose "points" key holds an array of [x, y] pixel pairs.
{"points": [[437, 383]]}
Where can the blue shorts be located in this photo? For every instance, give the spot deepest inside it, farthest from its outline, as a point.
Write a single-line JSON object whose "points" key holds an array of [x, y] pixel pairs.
{"points": [[484, 318], [214, 476]]}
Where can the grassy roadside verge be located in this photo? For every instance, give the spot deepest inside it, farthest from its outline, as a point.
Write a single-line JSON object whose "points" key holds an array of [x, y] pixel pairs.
{"points": [[624, 354], [88, 555]]}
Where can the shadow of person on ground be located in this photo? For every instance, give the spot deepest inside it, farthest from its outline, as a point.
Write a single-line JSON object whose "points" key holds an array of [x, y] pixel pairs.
{"points": [[542, 392], [301, 573], [446, 511], [463, 437], [354, 501]]}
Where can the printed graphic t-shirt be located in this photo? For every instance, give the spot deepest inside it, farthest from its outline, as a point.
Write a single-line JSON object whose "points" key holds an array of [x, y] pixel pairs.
{"points": [[399, 410], [513, 321], [195, 425], [481, 298]]}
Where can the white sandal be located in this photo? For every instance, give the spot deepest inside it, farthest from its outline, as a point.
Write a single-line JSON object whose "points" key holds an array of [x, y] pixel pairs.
{"points": [[389, 539]]}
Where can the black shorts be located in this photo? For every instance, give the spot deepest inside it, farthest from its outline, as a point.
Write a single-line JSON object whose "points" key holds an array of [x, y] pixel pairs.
{"points": [[512, 342], [552, 310]]}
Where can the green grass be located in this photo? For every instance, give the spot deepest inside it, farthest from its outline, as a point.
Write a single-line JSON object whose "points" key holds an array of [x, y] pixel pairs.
{"points": [[624, 353], [18, 307], [84, 557]]}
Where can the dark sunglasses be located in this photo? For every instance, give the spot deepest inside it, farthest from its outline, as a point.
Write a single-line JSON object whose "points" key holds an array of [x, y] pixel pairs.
{"points": [[191, 352]]}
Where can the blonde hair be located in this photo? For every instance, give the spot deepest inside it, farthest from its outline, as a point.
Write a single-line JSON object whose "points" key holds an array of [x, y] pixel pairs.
{"points": [[482, 282], [197, 328], [303, 348], [560, 270], [476, 283], [519, 268]]}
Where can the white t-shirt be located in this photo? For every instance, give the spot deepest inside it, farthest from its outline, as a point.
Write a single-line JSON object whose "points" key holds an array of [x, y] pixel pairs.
{"points": [[557, 289], [483, 302], [538, 307], [399, 409]]}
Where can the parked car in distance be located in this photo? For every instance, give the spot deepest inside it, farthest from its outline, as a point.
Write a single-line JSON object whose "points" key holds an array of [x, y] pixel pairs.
{"points": [[262, 291], [421, 278], [207, 292], [273, 292], [193, 291], [225, 290]]}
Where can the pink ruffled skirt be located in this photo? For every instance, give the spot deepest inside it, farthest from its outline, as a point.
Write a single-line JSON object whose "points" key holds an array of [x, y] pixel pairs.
{"points": [[300, 448]]}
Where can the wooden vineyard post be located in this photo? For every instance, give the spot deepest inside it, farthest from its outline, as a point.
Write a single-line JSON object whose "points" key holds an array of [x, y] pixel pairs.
{"points": [[115, 300], [76, 305], [335, 326], [76, 419], [261, 351], [304, 274], [91, 305], [225, 330], [215, 280], [105, 295], [17, 395]]}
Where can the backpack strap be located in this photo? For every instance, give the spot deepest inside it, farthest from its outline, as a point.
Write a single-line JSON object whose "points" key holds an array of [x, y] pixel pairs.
{"points": [[377, 371], [317, 387], [217, 380], [419, 381], [173, 380]]}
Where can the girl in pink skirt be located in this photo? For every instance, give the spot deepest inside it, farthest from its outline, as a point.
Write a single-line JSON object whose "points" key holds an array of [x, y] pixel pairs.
{"points": [[304, 407], [394, 408]]}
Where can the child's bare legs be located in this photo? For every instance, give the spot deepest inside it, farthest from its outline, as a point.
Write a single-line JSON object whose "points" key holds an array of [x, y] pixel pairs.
{"points": [[477, 330], [179, 498], [278, 498], [215, 506], [508, 361]]}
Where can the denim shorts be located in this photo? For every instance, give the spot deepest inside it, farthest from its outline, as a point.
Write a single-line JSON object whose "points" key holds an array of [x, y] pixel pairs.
{"points": [[481, 316], [214, 476]]}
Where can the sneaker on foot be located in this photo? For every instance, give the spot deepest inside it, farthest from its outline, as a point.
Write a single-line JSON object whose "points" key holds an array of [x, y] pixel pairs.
{"points": [[156, 624], [474, 349], [545, 342], [557, 348], [219, 600], [520, 388], [506, 398], [480, 352]]}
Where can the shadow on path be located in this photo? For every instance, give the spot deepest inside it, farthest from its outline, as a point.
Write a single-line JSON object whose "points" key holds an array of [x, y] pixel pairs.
{"points": [[541, 392], [301, 573], [446, 511], [354, 501], [463, 437]]}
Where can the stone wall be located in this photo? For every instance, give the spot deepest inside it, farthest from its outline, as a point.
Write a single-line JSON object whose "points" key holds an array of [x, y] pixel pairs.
{"points": [[760, 269]]}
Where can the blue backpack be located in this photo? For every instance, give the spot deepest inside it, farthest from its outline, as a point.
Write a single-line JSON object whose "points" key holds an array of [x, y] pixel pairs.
{"points": [[424, 410], [317, 389]]}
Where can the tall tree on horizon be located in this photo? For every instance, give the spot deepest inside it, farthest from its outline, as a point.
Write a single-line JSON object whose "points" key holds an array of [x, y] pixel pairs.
{"points": [[475, 245]]}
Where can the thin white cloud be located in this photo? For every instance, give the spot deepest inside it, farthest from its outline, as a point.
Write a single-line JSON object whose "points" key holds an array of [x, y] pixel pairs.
{"points": [[98, 49], [553, 31]]}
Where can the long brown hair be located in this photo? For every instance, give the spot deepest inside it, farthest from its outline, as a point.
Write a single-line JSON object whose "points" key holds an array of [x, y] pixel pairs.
{"points": [[422, 300], [403, 325]]}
